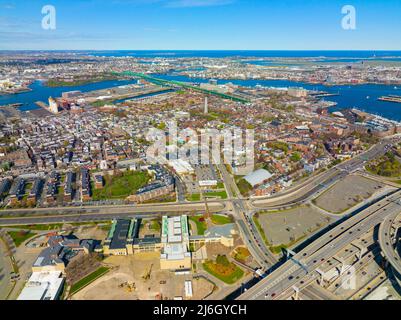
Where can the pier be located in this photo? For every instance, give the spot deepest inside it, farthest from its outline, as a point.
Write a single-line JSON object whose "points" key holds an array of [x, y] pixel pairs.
{"points": [[323, 94], [396, 99]]}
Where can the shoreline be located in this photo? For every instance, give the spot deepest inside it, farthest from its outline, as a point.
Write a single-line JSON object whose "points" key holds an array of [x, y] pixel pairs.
{"points": [[291, 80], [11, 93], [188, 79]]}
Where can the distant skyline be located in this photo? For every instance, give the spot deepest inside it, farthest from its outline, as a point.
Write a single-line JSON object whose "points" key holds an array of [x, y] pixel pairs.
{"points": [[200, 25]]}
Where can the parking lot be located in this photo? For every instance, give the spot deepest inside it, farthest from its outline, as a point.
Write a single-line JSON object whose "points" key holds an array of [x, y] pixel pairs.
{"points": [[347, 193], [285, 227]]}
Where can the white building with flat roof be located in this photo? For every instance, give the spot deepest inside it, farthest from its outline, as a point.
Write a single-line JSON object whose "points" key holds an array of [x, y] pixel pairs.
{"points": [[175, 253], [258, 177], [181, 166], [43, 286]]}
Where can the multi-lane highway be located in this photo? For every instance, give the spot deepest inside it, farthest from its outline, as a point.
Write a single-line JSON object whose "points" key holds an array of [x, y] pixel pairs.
{"points": [[287, 275], [291, 275], [318, 184], [388, 241]]}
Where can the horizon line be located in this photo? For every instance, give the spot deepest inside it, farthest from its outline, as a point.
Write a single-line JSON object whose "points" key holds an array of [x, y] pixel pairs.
{"points": [[246, 50]]}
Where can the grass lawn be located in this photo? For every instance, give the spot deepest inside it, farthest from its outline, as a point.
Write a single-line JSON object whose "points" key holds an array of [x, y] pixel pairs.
{"points": [[220, 220], [155, 225], [244, 187], [88, 280], [200, 224], [386, 166], [260, 229], [193, 197], [39, 227], [20, 236], [121, 186], [220, 185], [221, 195], [224, 270]]}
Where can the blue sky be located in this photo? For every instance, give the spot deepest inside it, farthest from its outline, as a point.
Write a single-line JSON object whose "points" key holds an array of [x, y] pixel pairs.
{"points": [[200, 25]]}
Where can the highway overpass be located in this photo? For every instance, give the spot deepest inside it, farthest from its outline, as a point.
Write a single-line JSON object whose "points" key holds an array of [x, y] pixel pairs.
{"points": [[291, 275], [388, 240]]}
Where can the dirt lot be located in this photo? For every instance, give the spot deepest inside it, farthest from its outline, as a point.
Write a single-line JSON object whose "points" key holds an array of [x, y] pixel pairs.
{"points": [[215, 249], [90, 232], [287, 226], [131, 269], [347, 193]]}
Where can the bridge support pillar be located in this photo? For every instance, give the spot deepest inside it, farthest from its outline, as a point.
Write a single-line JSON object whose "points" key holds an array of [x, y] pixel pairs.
{"points": [[362, 251], [342, 267], [321, 276], [296, 293]]}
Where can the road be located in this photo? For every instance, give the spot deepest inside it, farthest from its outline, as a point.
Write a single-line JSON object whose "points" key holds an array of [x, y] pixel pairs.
{"points": [[291, 275], [180, 187], [262, 256], [313, 187], [386, 241], [284, 276], [214, 206], [5, 270]]}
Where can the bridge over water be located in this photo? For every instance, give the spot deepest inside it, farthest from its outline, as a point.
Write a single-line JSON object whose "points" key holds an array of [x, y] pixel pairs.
{"points": [[172, 83]]}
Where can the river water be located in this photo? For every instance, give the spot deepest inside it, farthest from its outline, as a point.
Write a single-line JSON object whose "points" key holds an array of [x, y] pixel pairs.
{"points": [[363, 97]]}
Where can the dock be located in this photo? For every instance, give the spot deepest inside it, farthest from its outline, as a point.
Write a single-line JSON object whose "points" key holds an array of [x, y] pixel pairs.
{"points": [[42, 105], [13, 105], [323, 94], [391, 98]]}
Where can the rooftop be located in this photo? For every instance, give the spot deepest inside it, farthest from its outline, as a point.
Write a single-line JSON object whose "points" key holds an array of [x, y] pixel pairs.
{"points": [[120, 232], [42, 286], [258, 177]]}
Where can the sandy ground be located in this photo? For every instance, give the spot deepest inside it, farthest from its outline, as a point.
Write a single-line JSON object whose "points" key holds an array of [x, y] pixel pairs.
{"points": [[347, 193], [90, 232], [131, 269], [282, 227]]}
